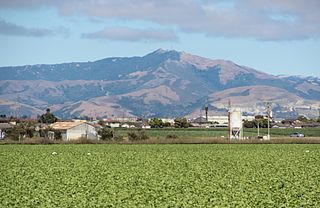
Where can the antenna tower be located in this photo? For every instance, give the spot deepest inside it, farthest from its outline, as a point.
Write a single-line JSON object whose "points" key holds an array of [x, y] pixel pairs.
{"points": [[206, 108]]}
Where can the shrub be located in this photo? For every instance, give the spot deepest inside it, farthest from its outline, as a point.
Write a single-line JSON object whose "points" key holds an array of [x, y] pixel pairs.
{"points": [[106, 133], [16, 133], [181, 123], [137, 135], [118, 138], [156, 123], [171, 136]]}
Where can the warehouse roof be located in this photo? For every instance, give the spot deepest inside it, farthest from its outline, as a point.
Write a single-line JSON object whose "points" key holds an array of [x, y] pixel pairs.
{"points": [[65, 125]]}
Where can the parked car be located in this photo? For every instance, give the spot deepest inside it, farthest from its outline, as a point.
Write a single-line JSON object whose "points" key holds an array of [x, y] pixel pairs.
{"points": [[296, 134]]}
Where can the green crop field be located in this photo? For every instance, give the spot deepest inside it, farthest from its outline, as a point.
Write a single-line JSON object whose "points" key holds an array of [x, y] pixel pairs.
{"points": [[218, 132], [160, 175]]}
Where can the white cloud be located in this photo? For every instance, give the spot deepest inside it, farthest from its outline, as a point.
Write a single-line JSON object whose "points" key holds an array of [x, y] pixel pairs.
{"points": [[132, 34], [11, 29], [295, 19]]}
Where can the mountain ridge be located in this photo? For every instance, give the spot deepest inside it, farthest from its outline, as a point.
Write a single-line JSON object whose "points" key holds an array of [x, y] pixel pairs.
{"points": [[162, 83]]}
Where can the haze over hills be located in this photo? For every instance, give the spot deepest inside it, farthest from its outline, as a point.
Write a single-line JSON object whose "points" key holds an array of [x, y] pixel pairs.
{"points": [[160, 84]]}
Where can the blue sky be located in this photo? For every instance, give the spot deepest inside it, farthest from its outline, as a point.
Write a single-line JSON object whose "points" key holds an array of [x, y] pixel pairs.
{"points": [[277, 37]]}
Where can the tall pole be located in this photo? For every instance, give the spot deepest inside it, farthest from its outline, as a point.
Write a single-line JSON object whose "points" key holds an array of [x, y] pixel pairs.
{"points": [[268, 112], [200, 117], [229, 120], [258, 128], [206, 109], [268, 126]]}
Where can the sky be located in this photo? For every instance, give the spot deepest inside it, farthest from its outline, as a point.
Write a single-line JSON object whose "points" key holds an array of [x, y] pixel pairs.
{"points": [[280, 37]]}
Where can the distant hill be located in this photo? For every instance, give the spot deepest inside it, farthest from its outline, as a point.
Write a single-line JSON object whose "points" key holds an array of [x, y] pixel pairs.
{"points": [[160, 84]]}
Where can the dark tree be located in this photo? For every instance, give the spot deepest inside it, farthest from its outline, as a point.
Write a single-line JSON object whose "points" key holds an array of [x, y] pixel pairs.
{"points": [[156, 123], [249, 124], [48, 117], [106, 133], [181, 123], [167, 124]]}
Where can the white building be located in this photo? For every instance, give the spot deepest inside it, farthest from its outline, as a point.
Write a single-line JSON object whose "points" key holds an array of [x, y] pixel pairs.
{"points": [[121, 119], [113, 125], [168, 120], [75, 130], [146, 126], [224, 119], [3, 128], [217, 119], [125, 126]]}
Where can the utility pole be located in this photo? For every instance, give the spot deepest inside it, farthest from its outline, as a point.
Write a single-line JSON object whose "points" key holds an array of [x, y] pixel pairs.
{"points": [[200, 116], [268, 112], [229, 125], [206, 109], [258, 128]]}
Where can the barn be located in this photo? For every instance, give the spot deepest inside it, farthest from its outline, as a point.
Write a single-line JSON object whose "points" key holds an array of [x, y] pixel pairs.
{"points": [[75, 130], [3, 128]]}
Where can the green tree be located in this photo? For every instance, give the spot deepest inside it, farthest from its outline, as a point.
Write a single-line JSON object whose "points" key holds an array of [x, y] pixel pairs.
{"points": [[16, 133], [181, 123], [48, 117], [21, 131], [167, 124], [156, 123], [262, 122], [249, 124], [302, 119], [106, 133]]}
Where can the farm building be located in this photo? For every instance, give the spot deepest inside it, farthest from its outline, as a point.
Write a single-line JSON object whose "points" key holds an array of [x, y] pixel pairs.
{"points": [[3, 128], [75, 130]]}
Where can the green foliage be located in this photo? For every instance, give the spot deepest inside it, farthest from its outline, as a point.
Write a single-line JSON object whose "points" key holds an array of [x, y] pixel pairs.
{"points": [[137, 135], [167, 124], [249, 124], [46, 133], [156, 123], [102, 123], [218, 132], [21, 131], [48, 118], [16, 133], [106, 133], [160, 175], [118, 138], [181, 123], [57, 134], [302, 118], [263, 123], [171, 136]]}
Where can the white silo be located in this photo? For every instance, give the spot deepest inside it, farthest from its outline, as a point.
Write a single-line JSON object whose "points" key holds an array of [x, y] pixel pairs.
{"points": [[235, 123]]}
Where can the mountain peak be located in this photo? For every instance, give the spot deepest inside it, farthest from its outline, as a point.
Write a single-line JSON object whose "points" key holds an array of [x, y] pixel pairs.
{"points": [[164, 51], [160, 51], [162, 55]]}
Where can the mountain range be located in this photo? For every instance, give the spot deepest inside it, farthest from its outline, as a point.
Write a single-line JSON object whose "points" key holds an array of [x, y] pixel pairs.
{"points": [[164, 83]]}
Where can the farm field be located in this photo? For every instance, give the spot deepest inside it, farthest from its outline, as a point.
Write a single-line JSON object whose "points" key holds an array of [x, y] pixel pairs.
{"points": [[160, 175], [218, 132]]}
